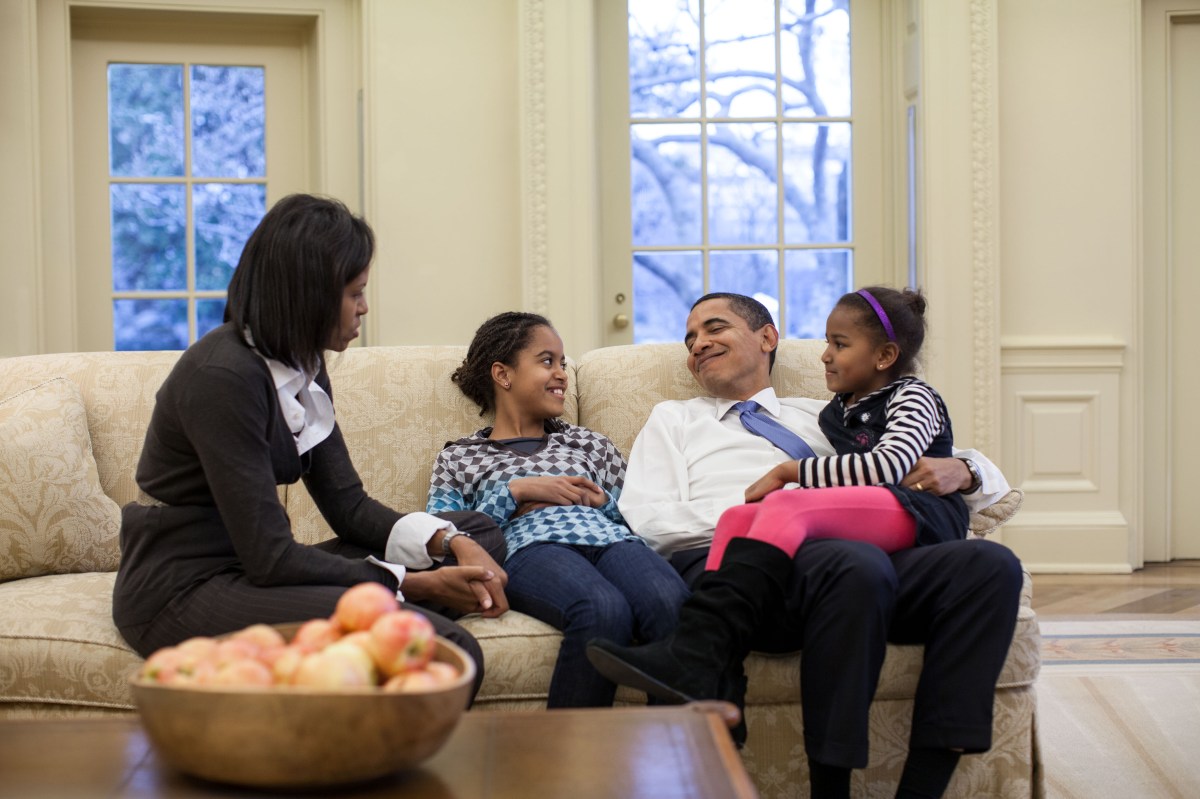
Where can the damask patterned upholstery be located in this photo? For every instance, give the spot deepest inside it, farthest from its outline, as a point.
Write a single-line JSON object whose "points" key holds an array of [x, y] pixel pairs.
{"points": [[61, 655]]}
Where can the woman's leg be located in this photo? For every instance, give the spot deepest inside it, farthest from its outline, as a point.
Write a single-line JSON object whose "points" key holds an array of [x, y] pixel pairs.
{"points": [[734, 523], [854, 513], [559, 585]]}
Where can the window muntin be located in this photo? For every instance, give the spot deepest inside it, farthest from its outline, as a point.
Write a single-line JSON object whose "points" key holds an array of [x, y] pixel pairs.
{"points": [[740, 129]]}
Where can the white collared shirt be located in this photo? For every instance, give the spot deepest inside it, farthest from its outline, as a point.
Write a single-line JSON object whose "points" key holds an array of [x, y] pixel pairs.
{"points": [[693, 460], [306, 407]]}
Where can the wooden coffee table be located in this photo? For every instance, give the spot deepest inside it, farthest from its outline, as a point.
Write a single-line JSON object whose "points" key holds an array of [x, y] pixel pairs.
{"points": [[656, 753]]}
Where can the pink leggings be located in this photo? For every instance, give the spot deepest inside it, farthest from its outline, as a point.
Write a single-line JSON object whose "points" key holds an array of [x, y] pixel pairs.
{"points": [[786, 518]]}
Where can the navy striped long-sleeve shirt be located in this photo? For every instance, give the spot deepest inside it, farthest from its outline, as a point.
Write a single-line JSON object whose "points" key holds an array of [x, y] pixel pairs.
{"points": [[879, 438]]}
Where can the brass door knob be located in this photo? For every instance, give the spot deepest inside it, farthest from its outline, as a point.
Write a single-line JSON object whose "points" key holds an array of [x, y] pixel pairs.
{"points": [[620, 321]]}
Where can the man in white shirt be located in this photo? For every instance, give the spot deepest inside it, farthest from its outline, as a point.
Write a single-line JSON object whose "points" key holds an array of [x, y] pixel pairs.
{"points": [[838, 602]]}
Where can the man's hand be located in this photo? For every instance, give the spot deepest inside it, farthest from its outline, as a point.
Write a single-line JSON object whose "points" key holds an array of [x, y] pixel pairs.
{"points": [[557, 490], [462, 588], [773, 480], [939, 476]]}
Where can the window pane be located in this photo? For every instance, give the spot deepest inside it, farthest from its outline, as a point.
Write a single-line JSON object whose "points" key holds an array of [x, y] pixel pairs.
{"points": [[816, 166], [664, 74], [225, 217], [145, 120], [209, 314], [228, 122], [665, 178], [739, 39], [149, 235], [150, 324], [749, 272], [742, 197], [815, 281], [665, 284], [815, 57]]}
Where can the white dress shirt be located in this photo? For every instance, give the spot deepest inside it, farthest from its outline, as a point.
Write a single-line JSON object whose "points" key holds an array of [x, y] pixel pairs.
{"points": [[693, 460]]}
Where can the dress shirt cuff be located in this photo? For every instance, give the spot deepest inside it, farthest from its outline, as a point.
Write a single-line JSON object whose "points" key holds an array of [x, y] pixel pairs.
{"points": [[397, 570], [409, 539]]}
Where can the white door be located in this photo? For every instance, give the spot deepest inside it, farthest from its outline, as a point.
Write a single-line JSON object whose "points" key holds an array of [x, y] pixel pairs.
{"points": [[194, 299], [1184, 287]]}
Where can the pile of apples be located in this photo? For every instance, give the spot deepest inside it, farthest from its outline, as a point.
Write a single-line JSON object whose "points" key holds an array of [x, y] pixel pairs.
{"points": [[369, 641]]}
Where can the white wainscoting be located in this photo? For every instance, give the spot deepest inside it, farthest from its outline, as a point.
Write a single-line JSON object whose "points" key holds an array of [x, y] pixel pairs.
{"points": [[1061, 412]]}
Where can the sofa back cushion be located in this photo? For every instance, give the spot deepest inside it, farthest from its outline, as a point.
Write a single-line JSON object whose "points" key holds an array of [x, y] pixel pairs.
{"points": [[619, 386], [397, 408], [118, 391], [54, 516]]}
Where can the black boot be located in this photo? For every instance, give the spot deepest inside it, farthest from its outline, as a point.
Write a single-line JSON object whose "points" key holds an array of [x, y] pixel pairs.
{"points": [[715, 627], [732, 688]]}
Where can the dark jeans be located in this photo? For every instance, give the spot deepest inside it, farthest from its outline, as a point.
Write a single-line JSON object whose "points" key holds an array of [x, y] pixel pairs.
{"points": [[848, 599], [623, 592]]}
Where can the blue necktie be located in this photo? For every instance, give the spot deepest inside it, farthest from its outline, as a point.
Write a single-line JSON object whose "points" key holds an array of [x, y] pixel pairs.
{"points": [[762, 425]]}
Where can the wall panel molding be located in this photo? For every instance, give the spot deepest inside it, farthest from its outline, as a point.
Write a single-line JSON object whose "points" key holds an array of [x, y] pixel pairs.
{"points": [[1062, 427], [535, 258]]}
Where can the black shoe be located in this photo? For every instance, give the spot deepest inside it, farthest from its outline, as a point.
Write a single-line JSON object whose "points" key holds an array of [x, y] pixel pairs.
{"points": [[650, 668]]}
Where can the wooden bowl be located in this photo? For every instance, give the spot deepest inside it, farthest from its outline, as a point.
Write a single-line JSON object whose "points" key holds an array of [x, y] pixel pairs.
{"points": [[300, 737]]}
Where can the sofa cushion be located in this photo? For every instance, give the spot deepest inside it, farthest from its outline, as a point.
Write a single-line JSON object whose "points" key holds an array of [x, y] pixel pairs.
{"points": [[59, 646], [54, 516]]}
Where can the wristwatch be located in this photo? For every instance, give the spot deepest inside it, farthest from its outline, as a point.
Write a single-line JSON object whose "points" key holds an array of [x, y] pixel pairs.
{"points": [[447, 538], [976, 478]]}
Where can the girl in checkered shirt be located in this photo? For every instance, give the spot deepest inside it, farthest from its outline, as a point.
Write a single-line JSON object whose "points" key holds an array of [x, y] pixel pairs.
{"points": [[553, 489]]}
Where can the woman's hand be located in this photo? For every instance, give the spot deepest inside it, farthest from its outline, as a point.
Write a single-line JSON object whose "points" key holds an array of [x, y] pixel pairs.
{"points": [[557, 490], [467, 589], [773, 480]]}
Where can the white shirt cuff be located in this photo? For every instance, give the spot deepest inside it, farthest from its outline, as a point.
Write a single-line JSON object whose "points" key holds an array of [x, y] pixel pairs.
{"points": [[409, 539], [395, 569]]}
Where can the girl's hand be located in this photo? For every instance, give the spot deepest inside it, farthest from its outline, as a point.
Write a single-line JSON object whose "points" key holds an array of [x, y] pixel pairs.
{"points": [[777, 478], [557, 490]]}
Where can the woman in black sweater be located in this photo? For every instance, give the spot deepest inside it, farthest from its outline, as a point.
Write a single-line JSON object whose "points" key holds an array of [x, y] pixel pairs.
{"points": [[208, 548]]}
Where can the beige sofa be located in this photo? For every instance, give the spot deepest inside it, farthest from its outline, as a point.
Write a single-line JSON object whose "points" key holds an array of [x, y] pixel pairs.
{"points": [[71, 428]]}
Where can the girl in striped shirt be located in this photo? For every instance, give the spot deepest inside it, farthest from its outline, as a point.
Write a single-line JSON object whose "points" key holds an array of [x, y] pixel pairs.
{"points": [[880, 421]]}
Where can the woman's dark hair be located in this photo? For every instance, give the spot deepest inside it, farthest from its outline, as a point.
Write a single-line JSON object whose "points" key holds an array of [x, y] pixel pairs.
{"points": [[287, 288], [498, 339], [905, 312]]}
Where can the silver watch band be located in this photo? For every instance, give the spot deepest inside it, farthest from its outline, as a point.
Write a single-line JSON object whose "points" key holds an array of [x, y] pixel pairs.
{"points": [[447, 538]]}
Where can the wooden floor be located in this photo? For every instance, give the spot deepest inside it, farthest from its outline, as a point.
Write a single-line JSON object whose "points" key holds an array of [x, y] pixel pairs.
{"points": [[1158, 591]]}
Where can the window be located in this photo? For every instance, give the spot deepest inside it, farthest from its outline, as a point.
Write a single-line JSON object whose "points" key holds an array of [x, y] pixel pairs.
{"points": [[186, 130], [184, 196], [743, 159]]}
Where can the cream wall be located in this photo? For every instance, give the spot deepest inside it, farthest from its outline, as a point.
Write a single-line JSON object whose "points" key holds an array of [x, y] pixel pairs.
{"points": [[479, 177], [1070, 213]]}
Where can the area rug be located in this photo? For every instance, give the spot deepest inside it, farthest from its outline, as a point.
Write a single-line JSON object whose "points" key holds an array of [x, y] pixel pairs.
{"points": [[1119, 709]]}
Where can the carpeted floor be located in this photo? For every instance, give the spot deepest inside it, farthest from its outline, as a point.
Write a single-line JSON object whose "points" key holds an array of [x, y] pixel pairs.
{"points": [[1119, 709]]}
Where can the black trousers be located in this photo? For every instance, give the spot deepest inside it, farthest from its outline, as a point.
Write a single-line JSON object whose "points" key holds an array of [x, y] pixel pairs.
{"points": [[848, 599], [229, 601]]}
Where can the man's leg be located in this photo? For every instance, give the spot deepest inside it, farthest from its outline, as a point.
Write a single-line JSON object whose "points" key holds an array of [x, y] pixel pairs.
{"points": [[837, 612], [960, 600]]}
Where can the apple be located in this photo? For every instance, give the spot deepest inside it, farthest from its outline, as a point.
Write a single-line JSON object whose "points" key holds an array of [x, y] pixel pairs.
{"points": [[356, 647], [163, 665], [331, 671], [443, 672], [232, 649], [316, 634], [246, 672], [263, 635], [361, 605], [402, 640], [285, 665], [412, 682]]}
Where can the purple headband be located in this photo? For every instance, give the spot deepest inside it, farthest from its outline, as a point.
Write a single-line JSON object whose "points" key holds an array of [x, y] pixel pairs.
{"points": [[882, 314]]}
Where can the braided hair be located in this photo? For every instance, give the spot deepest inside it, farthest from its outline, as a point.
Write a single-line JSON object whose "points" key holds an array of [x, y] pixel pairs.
{"points": [[905, 312], [498, 339]]}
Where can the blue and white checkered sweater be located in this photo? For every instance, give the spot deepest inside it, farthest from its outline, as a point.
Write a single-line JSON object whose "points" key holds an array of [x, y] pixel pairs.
{"points": [[473, 474]]}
